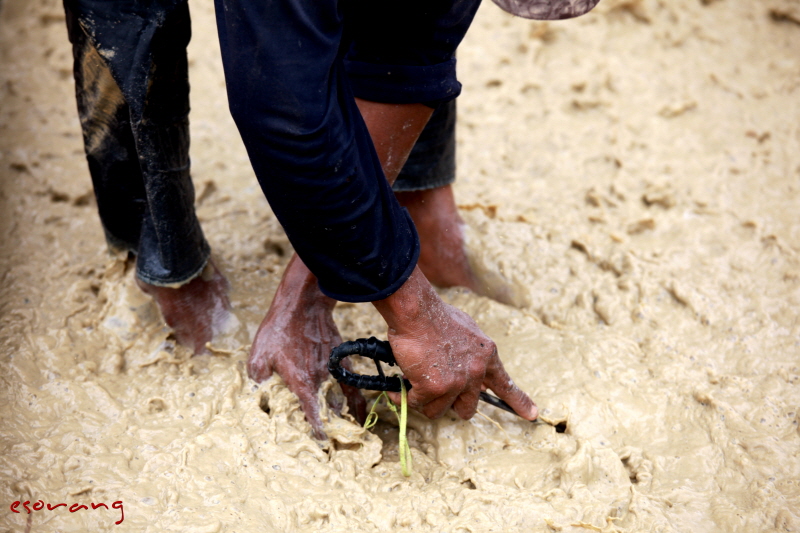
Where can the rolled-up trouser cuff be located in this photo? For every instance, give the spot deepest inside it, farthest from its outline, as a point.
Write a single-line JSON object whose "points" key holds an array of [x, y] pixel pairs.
{"points": [[175, 280], [134, 106], [404, 84], [117, 246]]}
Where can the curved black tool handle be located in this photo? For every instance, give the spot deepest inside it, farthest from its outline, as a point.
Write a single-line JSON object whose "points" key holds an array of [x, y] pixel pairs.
{"points": [[376, 350], [379, 350]]}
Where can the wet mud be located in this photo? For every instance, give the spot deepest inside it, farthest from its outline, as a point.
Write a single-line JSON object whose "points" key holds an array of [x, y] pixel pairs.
{"points": [[633, 175]]}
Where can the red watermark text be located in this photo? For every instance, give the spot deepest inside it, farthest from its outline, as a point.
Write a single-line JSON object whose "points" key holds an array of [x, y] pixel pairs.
{"points": [[39, 505]]}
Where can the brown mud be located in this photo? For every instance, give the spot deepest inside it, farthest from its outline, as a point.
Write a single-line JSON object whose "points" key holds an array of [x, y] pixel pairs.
{"points": [[633, 174]]}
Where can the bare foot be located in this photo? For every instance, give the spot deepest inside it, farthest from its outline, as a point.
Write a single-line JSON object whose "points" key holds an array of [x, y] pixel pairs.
{"points": [[443, 254], [195, 310], [295, 340]]}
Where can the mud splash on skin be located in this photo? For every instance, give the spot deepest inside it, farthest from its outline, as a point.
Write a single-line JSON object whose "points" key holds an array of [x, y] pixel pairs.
{"points": [[632, 175]]}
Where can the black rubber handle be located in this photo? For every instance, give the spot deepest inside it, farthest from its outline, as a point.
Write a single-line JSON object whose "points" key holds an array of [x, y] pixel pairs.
{"points": [[379, 350], [376, 350]]}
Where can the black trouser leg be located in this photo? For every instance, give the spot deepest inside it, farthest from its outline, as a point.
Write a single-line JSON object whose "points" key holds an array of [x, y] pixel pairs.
{"points": [[133, 102]]}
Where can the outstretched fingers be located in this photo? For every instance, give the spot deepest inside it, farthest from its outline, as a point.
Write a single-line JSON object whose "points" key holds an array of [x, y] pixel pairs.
{"points": [[307, 394], [501, 383]]}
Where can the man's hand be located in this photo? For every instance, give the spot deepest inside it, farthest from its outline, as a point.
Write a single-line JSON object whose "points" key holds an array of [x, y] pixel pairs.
{"points": [[295, 340], [444, 354]]}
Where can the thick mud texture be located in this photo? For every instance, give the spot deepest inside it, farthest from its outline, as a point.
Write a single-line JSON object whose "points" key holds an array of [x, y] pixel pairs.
{"points": [[633, 175]]}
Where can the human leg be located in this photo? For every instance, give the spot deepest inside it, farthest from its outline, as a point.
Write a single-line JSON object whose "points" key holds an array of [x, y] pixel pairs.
{"points": [[424, 188], [135, 128], [442, 256]]}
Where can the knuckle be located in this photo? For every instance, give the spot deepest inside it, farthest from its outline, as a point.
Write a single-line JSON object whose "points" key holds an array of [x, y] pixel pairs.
{"points": [[432, 412], [509, 390], [496, 372], [477, 369], [435, 390], [488, 347], [523, 398]]}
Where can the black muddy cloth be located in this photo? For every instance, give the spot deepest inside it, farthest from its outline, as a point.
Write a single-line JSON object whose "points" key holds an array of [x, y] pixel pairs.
{"points": [[132, 87], [132, 90]]}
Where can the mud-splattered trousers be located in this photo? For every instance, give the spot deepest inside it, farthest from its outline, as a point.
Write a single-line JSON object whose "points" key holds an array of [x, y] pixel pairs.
{"points": [[133, 100], [132, 89]]}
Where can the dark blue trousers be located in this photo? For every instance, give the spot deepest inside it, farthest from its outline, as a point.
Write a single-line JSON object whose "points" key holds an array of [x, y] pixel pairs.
{"points": [[293, 68], [133, 101]]}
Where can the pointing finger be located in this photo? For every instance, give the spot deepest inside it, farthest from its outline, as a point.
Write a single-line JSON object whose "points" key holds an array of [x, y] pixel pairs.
{"points": [[501, 383]]}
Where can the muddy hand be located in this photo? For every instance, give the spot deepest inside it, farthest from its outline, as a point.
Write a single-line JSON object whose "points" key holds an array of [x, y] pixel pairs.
{"points": [[295, 340], [444, 354]]}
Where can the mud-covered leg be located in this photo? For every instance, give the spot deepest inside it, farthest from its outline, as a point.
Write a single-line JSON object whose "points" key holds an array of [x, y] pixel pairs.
{"points": [[135, 131], [443, 257], [424, 187]]}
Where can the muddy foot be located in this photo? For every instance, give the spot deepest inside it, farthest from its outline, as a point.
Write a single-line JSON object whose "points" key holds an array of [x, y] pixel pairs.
{"points": [[443, 254], [196, 310]]}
